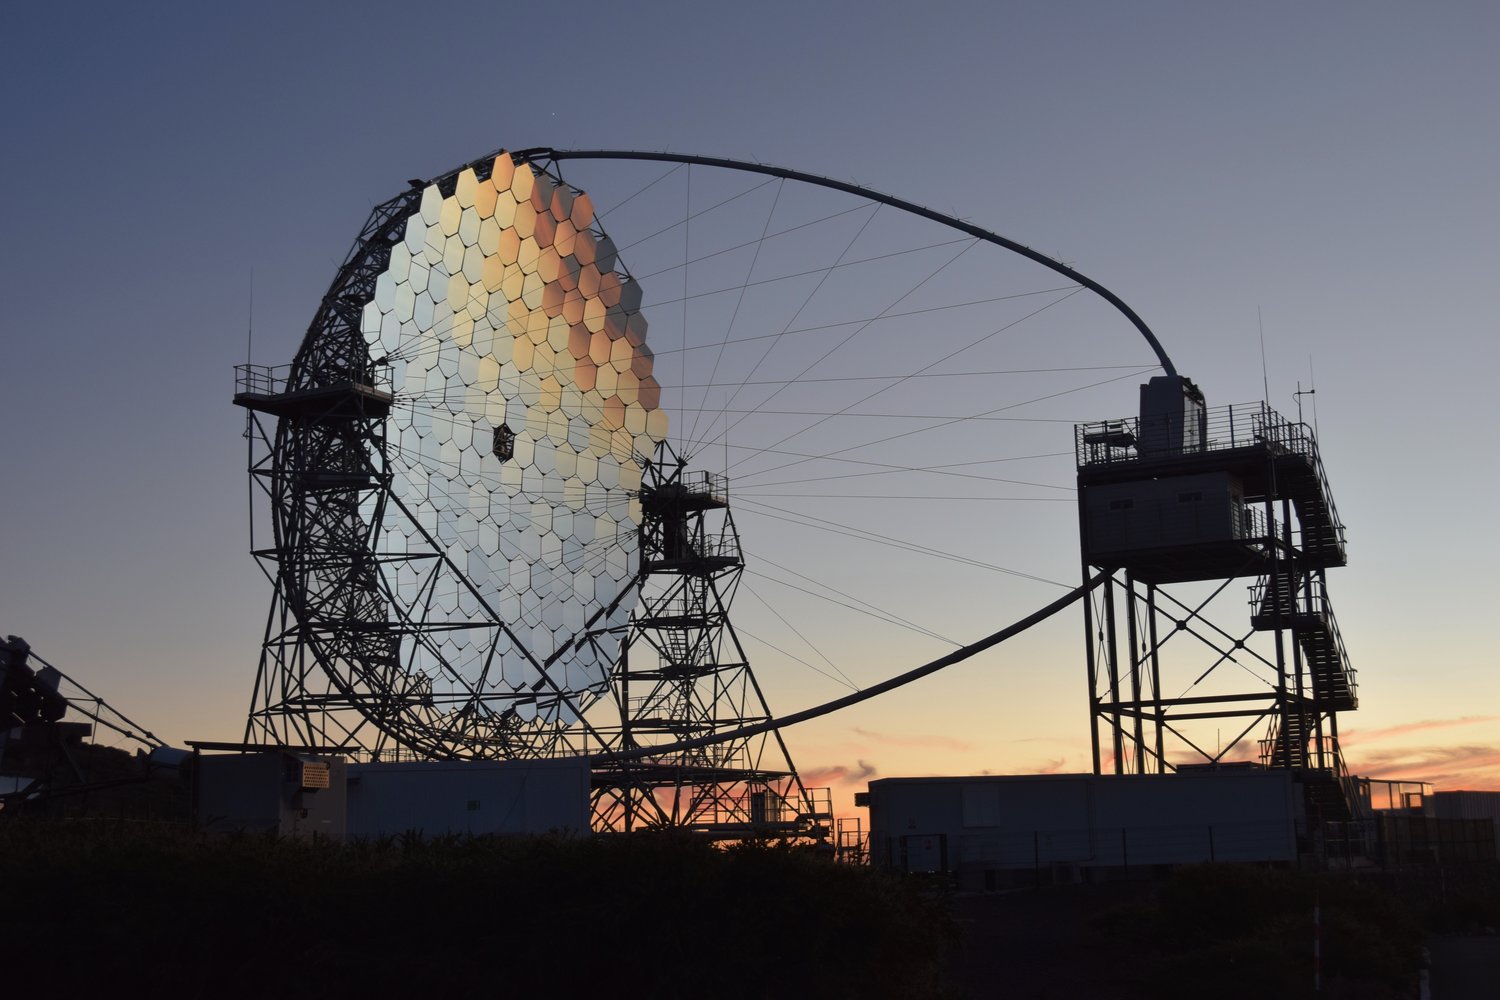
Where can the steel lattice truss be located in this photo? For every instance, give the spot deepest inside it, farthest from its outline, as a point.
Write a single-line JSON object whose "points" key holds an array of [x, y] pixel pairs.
{"points": [[683, 674]]}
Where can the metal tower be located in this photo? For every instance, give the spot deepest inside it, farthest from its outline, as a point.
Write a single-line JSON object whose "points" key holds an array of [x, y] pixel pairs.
{"points": [[683, 674], [1184, 498]]}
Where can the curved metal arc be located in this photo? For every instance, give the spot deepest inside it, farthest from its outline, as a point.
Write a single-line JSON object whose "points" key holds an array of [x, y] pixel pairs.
{"points": [[542, 152], [900, 680]]}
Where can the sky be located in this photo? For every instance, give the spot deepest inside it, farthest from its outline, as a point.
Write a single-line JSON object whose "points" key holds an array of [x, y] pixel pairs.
{"points": [[1289, 194]]}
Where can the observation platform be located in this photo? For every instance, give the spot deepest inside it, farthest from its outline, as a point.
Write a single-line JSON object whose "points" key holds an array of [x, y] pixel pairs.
{"points": [[680, 544], [689, 492], [706, 557], [1175, 504], [267, 389], [732, 816], [675, 672]]}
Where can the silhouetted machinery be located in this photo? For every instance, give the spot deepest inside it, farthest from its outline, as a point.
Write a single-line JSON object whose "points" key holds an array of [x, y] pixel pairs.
{"points": [[27, 695], [43, 757], [36, 746]]}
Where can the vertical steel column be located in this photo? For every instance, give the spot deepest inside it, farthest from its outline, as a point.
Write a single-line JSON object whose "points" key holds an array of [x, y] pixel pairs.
{"points": [[1089, 639], [1113, 658], [1279, 558], [1135, 673], [1093, 669], [627, 738], [1321, 611], [1296, 580], [1159, 712]]}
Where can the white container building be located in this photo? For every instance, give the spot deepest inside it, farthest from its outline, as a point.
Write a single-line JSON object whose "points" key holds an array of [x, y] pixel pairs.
{"points": [[472, 797], [995, 829], [303, 795]]}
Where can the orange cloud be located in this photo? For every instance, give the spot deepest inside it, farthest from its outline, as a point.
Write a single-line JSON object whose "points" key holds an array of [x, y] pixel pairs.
{"points": [[819, 777], [1472, 767], [1406, 728]]}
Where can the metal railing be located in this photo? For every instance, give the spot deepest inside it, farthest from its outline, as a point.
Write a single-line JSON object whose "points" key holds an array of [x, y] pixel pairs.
{"points": [[1293, 602], [1268, 743], [754, 804], [1326, 493], [721, 545], [1309, 600], [818, 803], [683, 608], [1324, 754], [275, 380], [1359, 806], [1223, 428], [261, 380], [1337, 639], [718, 546], [663, 705], [851, 844], [701, 481]]}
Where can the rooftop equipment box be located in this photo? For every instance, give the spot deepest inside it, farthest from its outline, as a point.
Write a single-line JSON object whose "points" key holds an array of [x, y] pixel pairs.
{"points": [[1172, 417]]}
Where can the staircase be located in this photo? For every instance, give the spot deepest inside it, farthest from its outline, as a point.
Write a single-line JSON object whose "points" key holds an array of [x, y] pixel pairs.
{"points": [[1325, 795], [1328, 792], [1274, 600], [1302, 477], [1286, 744], [1287, 600], [1297, 601]]}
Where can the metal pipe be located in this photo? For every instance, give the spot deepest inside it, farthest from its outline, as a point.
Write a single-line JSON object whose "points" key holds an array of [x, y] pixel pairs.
{"points": [[900, 680]]}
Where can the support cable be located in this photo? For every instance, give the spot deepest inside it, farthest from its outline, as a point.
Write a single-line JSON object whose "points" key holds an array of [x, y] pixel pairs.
{"points": [[137, 732]]}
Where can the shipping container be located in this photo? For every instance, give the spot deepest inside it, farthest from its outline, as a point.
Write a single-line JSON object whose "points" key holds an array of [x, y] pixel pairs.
{"points": [[988, 828]]}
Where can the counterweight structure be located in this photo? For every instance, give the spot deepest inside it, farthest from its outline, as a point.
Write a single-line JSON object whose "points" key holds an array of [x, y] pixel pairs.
{"points": [[1179, 505]]}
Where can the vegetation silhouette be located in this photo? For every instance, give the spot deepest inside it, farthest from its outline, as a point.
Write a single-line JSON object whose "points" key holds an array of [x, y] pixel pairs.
{"points": [[162, 909]]}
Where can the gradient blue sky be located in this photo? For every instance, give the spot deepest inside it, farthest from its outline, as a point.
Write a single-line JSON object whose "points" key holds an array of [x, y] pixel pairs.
{"points": [[1331, 164]]}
